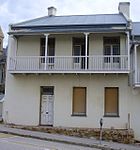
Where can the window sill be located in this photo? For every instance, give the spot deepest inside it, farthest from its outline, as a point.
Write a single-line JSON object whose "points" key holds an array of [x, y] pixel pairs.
{"points": [[111, 116], [80, 115]]}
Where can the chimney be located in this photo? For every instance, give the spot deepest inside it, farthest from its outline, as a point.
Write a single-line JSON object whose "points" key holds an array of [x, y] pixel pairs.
{"points": [[124, 8], [51, 11]]}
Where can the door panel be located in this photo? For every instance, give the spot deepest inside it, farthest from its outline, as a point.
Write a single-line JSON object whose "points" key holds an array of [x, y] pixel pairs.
{"points": [[47, 105], [47, 110]]}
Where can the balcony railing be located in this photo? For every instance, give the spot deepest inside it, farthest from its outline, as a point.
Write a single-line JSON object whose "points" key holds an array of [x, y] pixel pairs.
{"points": [[69, 63]]}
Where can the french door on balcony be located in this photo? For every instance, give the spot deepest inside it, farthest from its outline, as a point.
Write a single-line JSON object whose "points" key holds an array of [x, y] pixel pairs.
{"points": [[111, 51], [51, 53], [78, 53]]}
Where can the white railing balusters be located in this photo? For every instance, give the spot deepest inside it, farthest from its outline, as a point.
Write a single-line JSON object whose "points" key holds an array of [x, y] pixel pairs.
{"points": [[69, 63]]}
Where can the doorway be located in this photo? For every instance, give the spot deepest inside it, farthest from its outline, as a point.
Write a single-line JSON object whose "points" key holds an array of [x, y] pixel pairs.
{"points": [[47, 105]]}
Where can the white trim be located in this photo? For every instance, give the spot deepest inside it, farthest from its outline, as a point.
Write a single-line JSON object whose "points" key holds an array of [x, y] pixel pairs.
{"points": [[69, 72], [46, 50], [128, 49], [9, 52], [15, 45], [135, 52], [86, 49]]}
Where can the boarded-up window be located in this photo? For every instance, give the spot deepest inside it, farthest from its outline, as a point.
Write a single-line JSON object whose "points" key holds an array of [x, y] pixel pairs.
{"points": [[111, 101], [79, 101]]}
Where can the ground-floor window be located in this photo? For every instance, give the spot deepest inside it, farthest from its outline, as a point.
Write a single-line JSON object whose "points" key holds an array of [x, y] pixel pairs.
{"points": [[111, 101], [79, 101]]}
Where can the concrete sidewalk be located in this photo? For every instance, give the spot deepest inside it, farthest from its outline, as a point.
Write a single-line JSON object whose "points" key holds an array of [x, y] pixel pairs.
{"points": [[68, 139]]}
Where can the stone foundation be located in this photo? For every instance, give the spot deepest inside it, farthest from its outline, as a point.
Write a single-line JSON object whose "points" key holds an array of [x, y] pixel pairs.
{"points": [[116, 135]]}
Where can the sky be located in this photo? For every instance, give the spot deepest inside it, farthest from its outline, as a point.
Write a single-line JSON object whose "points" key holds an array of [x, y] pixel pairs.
{"points": [[14, 11]]}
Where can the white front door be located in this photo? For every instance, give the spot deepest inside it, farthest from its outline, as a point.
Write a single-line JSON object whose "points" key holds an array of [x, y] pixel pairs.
{"points": [[47, 103]]}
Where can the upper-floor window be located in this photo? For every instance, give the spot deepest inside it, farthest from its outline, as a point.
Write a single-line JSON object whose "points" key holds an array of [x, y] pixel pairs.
{"points": [[111, 48], [51, 47]]}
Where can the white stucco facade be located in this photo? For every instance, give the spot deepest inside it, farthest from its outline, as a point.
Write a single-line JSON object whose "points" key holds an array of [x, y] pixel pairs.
{"points": [[22, 105]]}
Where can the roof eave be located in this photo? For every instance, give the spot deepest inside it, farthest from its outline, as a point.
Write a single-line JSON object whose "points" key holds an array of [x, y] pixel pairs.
{"points": [[68, 25], [68, 31]]}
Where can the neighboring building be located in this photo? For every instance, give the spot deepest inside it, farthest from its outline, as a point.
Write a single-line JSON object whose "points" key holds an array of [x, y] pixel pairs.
{"points": [[2, 73], [1, 41], [73, 70], [2, 64]]}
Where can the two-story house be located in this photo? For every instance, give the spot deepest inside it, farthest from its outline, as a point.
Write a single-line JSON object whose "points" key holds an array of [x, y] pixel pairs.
{"points": [[73, 70]]}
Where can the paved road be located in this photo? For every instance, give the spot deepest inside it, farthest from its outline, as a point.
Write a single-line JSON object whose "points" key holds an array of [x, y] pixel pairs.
{"points": [[10, 142]]}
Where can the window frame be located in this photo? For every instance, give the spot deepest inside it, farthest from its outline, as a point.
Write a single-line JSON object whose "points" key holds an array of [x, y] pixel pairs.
{"points": [[111, 42], [117, 113]]}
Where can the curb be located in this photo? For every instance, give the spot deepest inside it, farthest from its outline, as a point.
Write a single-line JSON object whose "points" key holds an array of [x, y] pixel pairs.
{"points": [[98, 146]]}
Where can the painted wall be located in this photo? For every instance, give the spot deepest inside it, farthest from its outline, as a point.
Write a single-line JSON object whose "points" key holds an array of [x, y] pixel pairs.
{"points": [[133, 104], [62, 49], [30, 45], [96, 43], [22, 103]]}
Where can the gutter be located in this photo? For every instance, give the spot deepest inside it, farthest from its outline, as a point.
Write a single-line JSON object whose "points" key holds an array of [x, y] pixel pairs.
{"points": [[68, 30], [68, 26]]}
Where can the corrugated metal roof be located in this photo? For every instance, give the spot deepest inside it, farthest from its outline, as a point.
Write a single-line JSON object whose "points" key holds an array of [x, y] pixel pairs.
{"points": [[74, 20], [136, 28]]}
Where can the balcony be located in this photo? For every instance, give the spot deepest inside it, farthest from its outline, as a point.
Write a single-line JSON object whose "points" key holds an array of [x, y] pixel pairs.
{"points": [[69, 64]]}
